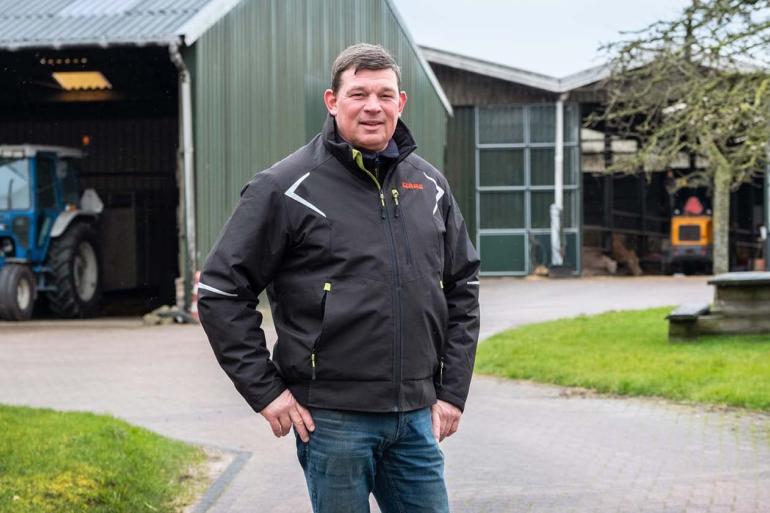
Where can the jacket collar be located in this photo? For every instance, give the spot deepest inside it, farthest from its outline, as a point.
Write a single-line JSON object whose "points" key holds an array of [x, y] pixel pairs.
{"points": [[346, 154]]}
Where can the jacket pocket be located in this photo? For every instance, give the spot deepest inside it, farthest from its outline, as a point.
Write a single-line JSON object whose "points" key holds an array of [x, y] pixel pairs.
{"points": [[408, 246], [357, 333], [317, 343], [404, 228], [439, 236], [298, 321], [425, 320], [421, 235]]}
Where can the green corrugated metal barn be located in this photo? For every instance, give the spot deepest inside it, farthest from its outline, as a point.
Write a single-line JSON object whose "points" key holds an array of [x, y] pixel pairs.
{"points": [[259, 75], [195, 96]]}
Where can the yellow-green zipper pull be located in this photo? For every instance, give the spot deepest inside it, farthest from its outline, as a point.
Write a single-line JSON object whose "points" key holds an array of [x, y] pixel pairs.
{"points": [[312, 363], [382, 205], [394, 192], [440, 372]]}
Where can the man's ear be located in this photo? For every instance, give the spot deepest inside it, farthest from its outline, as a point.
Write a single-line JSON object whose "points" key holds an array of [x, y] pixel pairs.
{"points": [[330, 100], [401, 102]]}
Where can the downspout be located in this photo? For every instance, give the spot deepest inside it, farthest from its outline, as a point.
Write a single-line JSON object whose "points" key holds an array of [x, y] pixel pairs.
{"points": [[558, 184], [186, 140]]}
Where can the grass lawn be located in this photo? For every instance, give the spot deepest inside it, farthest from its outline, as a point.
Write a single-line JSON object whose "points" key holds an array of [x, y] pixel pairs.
{"points": [[628, 353], [80, 462]]}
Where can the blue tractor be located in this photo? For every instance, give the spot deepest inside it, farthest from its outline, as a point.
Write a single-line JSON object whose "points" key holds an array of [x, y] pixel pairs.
{"points": [[49, 238]]}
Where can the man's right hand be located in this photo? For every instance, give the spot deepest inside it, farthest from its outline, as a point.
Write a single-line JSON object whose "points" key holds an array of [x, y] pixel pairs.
{"points": [[285, 411]]}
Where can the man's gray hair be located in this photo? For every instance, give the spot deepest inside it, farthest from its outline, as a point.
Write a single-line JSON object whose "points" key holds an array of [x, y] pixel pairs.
{"points": [[363, 56]]}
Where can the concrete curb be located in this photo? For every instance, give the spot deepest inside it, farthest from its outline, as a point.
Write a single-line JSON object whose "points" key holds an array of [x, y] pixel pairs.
{"points": [[216, 489]]}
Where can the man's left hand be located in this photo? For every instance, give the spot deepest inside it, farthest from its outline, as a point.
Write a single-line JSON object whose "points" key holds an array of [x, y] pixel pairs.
{"points": [[446, 419]]}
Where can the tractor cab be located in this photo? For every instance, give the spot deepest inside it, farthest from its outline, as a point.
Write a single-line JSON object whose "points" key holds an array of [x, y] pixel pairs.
{"points": [[36, 185], [48, 233]]}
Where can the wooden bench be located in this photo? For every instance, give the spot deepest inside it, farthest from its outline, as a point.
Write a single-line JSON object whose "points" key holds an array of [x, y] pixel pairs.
{"points": [[682, 322]]}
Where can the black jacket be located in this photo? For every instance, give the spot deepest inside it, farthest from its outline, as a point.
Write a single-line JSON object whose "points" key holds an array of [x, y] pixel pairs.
{"points": [[374, 289]]}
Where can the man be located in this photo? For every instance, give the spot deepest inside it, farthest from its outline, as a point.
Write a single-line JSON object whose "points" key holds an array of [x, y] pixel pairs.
{"points": [[374, 289]]}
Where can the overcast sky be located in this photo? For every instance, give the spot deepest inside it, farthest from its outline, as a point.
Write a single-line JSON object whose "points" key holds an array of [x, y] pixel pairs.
{"points": [[555, 37]]}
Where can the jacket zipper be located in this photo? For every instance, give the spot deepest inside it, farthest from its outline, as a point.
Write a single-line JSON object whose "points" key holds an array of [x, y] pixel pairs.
{"points": [[394, 193], [379, 189], [397, 371], [327, 289], [441, 357], [397, 364]]}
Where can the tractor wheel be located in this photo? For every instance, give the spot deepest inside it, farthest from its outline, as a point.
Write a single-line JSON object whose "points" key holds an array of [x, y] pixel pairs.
{"points": [[17, 292], [74, 261]]}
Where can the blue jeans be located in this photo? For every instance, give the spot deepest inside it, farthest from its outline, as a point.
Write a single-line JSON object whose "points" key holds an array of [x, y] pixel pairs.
{"points": [[392, 455]]}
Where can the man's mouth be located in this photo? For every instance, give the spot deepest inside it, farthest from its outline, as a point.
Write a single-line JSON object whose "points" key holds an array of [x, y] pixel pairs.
{"points": [[371, 123]]}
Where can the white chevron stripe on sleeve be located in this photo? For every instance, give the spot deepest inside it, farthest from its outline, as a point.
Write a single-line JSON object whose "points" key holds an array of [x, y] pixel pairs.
{"points": [[290, 192], [217, 291], [439, 193]]}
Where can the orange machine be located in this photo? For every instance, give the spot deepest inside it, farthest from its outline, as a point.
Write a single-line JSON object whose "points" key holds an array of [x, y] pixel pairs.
{"points": [[692, 236]]}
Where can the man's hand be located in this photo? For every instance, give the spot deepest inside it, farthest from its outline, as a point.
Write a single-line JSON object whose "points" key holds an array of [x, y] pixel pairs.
{"points": [[285, 411], [446, 419]]}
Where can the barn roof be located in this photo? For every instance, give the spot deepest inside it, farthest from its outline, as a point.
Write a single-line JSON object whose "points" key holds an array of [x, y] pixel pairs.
{"points": [[61, 23]]}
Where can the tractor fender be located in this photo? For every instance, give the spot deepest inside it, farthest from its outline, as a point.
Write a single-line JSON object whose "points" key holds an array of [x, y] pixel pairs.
{"points": [[92, 206], [65, 219]]}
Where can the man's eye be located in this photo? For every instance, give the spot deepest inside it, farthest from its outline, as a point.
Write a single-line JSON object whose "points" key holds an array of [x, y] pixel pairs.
{"points": [[387, 96], [357, 95]]}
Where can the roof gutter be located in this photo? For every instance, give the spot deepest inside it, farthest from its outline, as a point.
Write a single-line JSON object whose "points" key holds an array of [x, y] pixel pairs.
{"points": [[186, 143], [88, 42]]}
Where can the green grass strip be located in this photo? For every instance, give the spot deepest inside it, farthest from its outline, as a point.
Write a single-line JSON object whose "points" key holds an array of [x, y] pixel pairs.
{"points": [[628, 353], [80, 462]]}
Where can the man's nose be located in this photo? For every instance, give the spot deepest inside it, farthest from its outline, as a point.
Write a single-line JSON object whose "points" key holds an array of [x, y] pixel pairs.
{"points": [[372, 103]]}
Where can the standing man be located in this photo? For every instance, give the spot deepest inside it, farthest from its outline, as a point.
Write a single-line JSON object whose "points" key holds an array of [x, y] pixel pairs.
{"points": [[373, 283]]}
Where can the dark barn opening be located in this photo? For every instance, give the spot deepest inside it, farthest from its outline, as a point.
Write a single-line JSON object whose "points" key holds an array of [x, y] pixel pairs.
{"points": [[126, 122]]}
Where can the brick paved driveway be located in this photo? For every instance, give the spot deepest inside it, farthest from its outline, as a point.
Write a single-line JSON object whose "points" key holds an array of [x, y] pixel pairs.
{"points": [[521, 447]]}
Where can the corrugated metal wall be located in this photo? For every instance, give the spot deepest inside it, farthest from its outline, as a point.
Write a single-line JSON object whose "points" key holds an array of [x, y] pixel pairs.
{"points": [[258, 80], [461, 163], [465, 88], [125, 154]]}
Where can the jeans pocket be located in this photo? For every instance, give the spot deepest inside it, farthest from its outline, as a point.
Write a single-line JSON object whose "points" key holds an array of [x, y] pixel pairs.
{"points": [[302, 449]]}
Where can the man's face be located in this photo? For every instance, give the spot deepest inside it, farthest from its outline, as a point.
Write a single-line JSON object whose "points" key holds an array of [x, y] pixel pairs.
{"points": [[367, 107]]}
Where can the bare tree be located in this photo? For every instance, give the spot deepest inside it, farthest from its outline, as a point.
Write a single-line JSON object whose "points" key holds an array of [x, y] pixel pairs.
{"points": [[696, 85]]}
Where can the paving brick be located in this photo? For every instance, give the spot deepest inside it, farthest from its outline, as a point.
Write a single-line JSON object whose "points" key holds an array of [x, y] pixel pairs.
{"points": [[521, 447]]}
